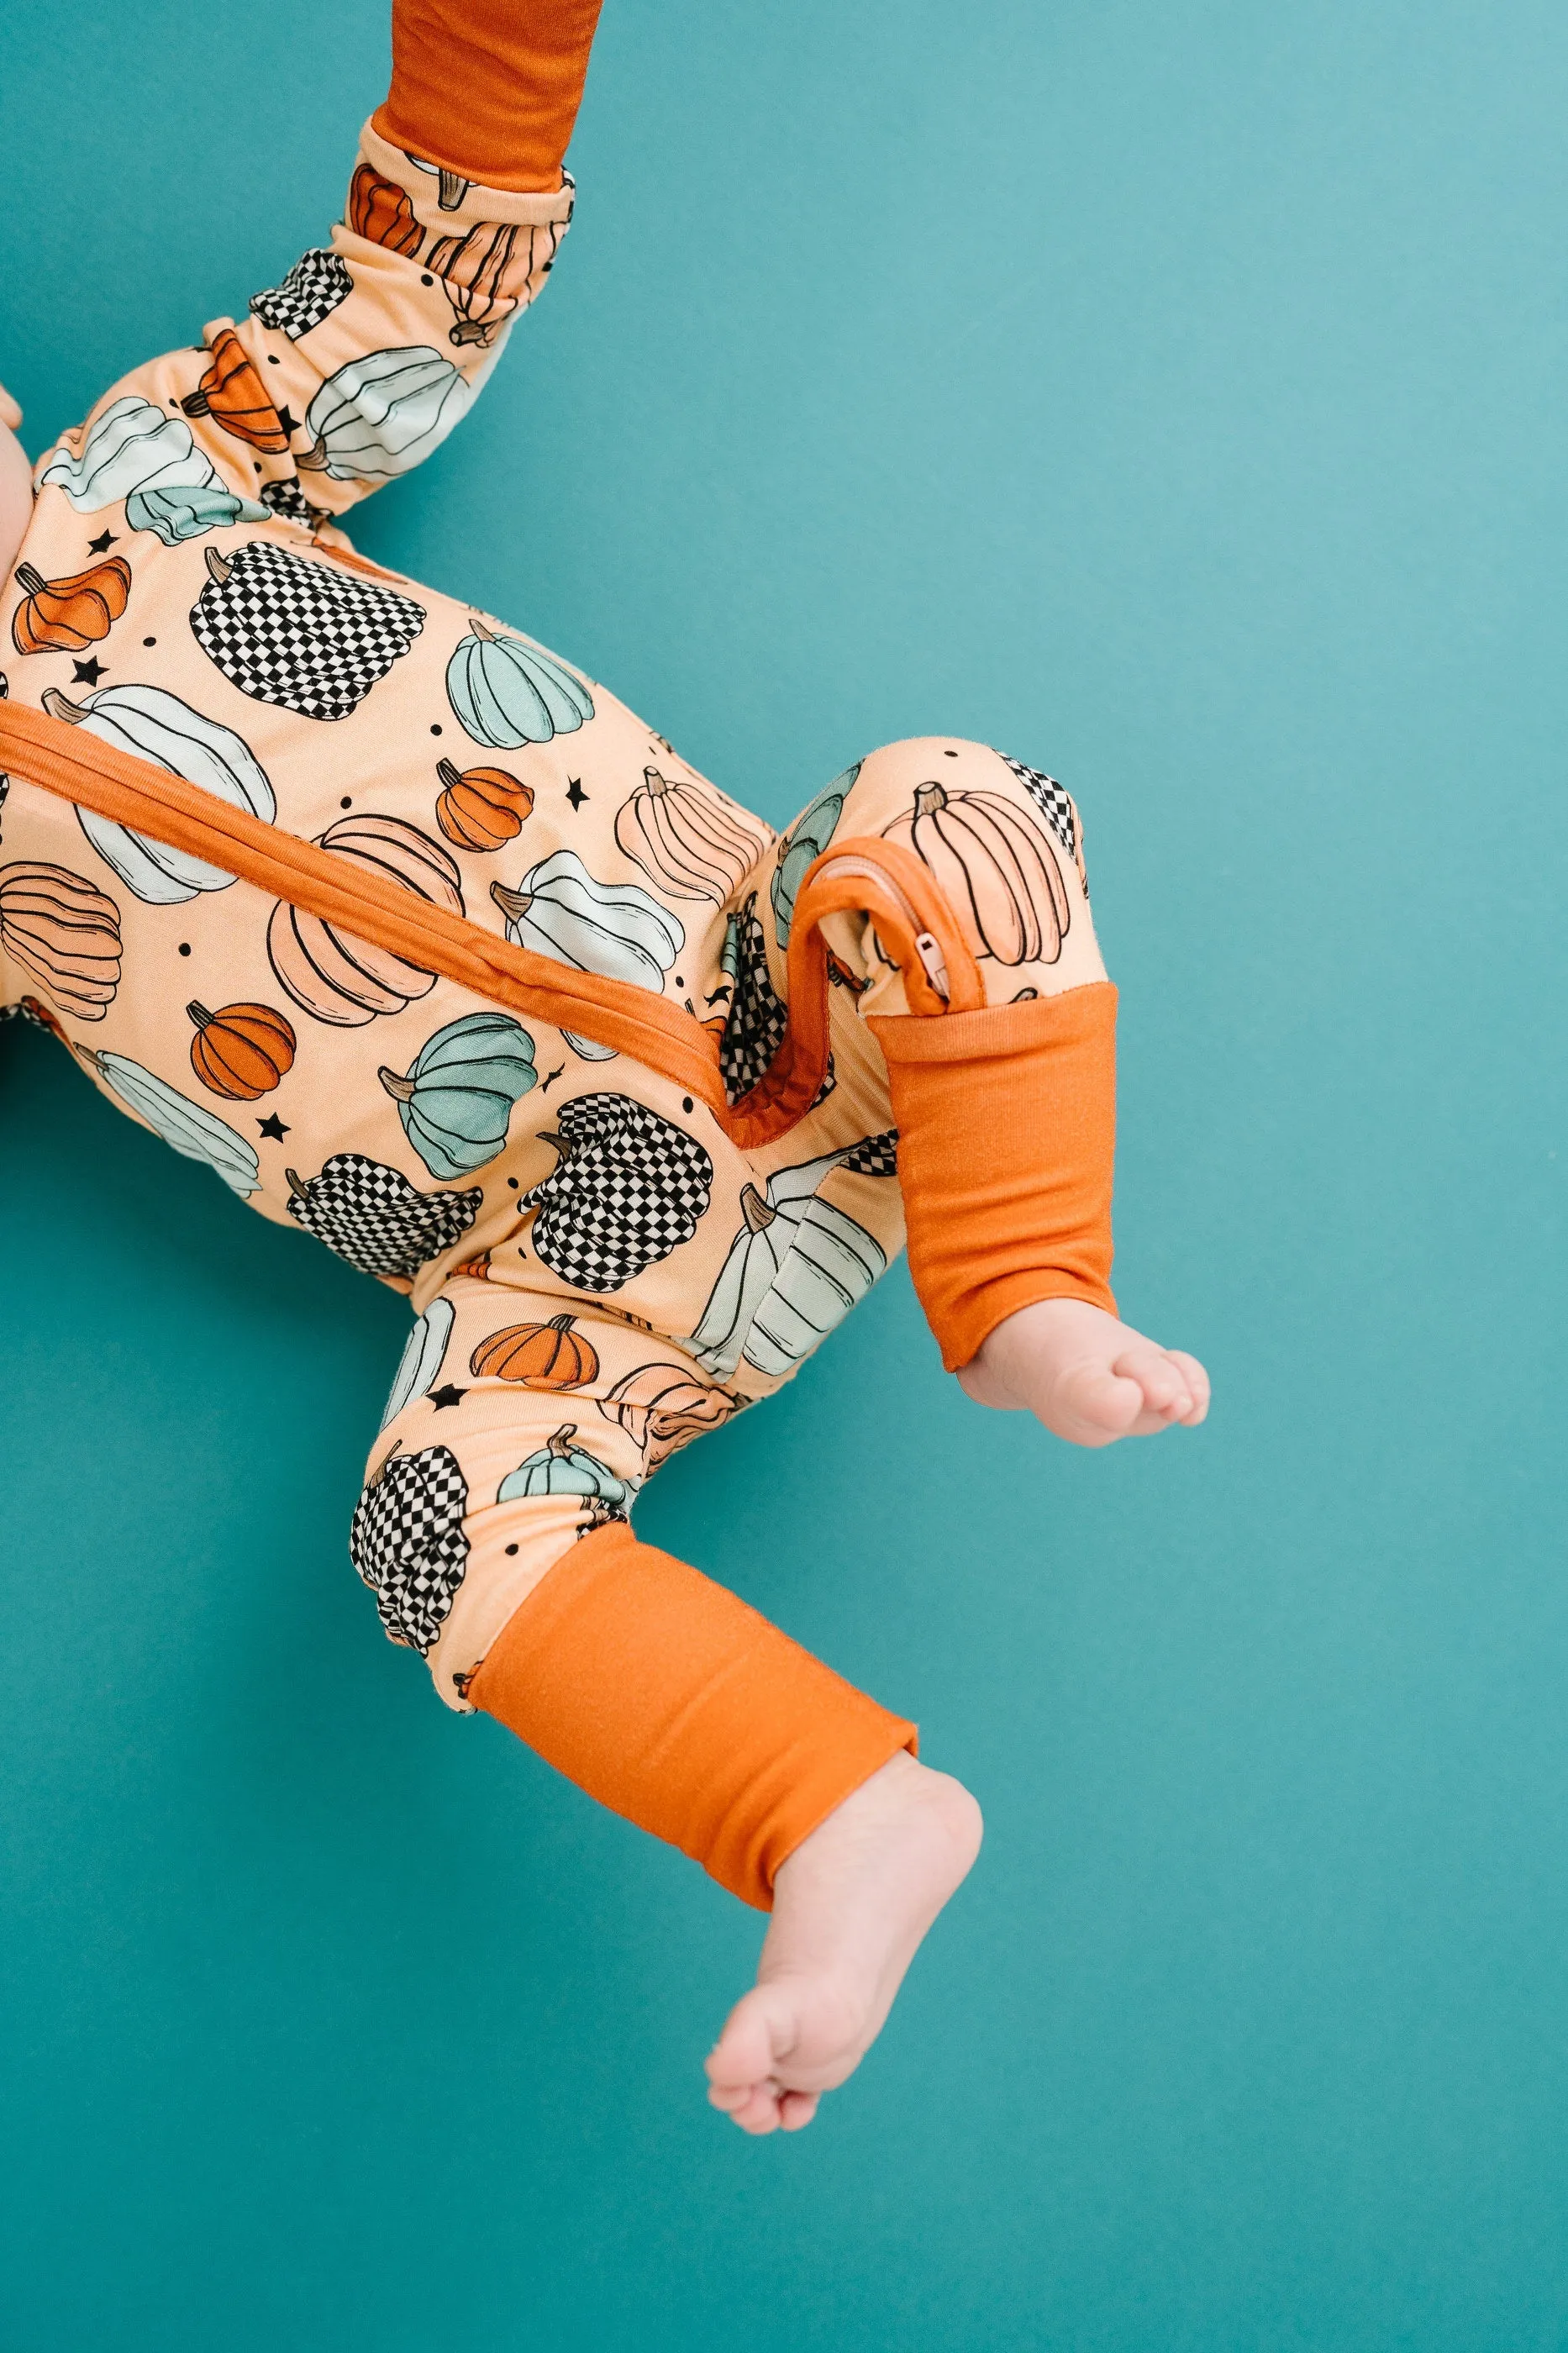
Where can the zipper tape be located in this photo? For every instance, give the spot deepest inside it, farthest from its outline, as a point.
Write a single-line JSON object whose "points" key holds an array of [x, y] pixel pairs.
{"points": [[879, 878]]}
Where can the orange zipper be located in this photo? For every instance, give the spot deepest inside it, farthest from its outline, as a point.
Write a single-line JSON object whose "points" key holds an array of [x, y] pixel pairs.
{"points": [[881, 878]]}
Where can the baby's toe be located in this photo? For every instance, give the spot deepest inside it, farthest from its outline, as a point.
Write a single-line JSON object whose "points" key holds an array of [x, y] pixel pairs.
{"points": [[796, 2109]]}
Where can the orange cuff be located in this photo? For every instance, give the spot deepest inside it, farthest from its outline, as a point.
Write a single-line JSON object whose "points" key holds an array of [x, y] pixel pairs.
{"points": [[1006, 1123], [679, 1707], [490, 89]]}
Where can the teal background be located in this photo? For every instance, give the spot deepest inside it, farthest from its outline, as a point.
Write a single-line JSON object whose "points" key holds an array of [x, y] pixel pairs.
{"points": [[1175, 396]]}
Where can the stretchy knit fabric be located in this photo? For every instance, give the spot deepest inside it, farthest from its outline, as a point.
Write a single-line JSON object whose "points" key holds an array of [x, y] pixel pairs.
{"points": [[896, 1009]]}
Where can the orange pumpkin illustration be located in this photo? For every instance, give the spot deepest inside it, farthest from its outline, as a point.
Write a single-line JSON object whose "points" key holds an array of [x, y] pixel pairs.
{"points": [[242, 1051], [995, 867], [380, 210], [550, 1355], [232, 392], [480, 808], [68, 616]]}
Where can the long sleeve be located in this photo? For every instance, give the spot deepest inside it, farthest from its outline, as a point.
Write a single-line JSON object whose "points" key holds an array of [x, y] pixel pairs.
{"points": [[488, 90], [357, 365]]}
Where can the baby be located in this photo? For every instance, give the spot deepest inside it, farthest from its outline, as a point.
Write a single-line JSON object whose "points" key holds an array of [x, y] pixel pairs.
{"points": [[430, 947]]}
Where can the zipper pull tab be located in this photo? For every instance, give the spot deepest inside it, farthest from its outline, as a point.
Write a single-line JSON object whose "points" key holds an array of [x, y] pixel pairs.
{"points": [[931, 955]]}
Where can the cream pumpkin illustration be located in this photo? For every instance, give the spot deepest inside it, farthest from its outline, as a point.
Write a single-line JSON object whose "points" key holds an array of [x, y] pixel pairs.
{"points": [[156, 726], [615, 929]]}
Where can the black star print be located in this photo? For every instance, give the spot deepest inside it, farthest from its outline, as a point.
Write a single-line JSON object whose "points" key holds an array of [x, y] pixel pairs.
{"points": [[273, 1127], [575, 792], [87, 673], [102, 544], [290, 424], [447, 1395], [550, 1081]]}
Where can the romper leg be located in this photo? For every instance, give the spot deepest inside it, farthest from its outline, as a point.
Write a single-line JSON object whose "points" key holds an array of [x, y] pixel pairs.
{"points": [[493, 1530]]}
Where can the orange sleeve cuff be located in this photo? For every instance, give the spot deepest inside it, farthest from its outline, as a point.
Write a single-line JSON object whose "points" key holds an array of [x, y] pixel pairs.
{"points": [[490, 89], [1006, 1122], [679, 1707]]}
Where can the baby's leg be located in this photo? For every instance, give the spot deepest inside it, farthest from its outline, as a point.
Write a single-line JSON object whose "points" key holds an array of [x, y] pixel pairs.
{"points": [[1001, 1104], [493, 1530]]}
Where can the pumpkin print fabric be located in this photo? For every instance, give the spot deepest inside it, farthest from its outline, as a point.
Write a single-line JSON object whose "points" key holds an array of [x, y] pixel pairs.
{"points": [[598, 1273]]}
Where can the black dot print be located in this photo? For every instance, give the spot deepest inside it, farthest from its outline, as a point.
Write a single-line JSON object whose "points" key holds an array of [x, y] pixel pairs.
{"points": [[148, 641], [425, 280], [512, 1182], [950, 756], [271, 359], [511, 1548], [436, 730], [347, 801], [184, 948], [686, 1102]]}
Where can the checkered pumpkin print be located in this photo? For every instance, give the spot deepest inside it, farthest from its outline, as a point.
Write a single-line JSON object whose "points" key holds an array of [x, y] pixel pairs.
{"points": [[287, 501], [297, 632], [406, 1542], [375, 1218], [629, 1188], [757, 1020], [1053, 801], [874, 1156], [312, 292]]}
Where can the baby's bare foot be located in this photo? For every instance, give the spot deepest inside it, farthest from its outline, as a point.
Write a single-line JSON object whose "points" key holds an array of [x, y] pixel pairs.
{"points": [[850, 1906]]}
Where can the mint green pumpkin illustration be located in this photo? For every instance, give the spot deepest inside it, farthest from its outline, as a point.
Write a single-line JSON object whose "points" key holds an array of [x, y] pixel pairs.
{"points": [[181, 511], [456, 1100], [378, 416], [807, 839], [795, 1270], [508, 692], [193, 1131], [561, 1467], [422, 1357], [131, 447]]}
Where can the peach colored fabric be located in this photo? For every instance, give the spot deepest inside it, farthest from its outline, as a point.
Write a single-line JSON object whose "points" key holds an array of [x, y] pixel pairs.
{"points": [[703, 1215], [674, 1704], [489, 88]]}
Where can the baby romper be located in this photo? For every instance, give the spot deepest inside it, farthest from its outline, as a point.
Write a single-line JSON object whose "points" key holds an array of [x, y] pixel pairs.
{"points": [[429, 947]]}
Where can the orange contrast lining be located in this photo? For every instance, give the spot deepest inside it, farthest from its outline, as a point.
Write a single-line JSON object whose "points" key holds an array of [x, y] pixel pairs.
{"points": [[880, 878], [490, 89], [683, 1710]]}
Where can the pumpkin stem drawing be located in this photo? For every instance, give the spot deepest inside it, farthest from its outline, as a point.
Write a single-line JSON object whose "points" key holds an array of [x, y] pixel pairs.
{"points": [[559, 1441], [299, 1190], [929, 799], [401, 1090], [219, 566], [755, 1211], [60, 706], [453, 189], [513, 904]]}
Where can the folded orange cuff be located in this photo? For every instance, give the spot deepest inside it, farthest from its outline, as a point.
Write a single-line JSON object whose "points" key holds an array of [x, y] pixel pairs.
{"points": [[1006, 1123], [679, 1707], [490, 89]]}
